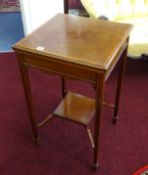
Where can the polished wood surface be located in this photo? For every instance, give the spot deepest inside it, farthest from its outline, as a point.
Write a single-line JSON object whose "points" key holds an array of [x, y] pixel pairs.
{"points": [[66, 6], [77, 40], [77, 108], [77, 48]]}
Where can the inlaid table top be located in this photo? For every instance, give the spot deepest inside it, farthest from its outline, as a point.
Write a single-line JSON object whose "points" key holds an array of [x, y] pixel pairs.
{"points": [[78, 40]]}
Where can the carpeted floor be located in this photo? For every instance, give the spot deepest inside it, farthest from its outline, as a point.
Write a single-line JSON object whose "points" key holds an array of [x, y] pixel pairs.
{"points": [[64, 147], [11, 30], [9, 6]]}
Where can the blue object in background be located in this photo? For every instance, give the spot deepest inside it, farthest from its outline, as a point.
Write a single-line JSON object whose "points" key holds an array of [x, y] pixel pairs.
{"points": [[11, 30]]}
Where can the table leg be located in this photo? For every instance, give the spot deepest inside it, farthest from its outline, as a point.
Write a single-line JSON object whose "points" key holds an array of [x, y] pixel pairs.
{"points": [[119, 85], [63, 87], [66, 6], [99, 105], [27, 91]]}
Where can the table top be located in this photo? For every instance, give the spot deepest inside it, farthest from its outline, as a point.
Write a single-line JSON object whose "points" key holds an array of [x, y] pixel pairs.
{"points": [[79, 40]]}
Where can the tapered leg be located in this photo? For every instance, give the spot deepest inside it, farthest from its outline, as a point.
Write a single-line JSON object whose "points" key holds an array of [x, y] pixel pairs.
{"points": [[119, 85], [66, 6], [27, 91], [99, 105], [63, 87]]}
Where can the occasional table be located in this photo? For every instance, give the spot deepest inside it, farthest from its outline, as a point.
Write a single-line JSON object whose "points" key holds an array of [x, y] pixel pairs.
{"points": [[77, 48]]}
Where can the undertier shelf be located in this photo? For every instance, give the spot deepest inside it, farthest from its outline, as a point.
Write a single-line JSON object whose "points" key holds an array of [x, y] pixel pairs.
{"points": [[76, 108]]}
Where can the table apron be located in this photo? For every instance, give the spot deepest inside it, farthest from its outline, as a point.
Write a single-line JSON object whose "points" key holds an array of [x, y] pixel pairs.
{"points": [[116, 59], [62, 68]]}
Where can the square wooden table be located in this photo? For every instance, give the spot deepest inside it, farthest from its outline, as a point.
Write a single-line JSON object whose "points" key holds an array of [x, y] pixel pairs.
{"points": [[77, 48]]}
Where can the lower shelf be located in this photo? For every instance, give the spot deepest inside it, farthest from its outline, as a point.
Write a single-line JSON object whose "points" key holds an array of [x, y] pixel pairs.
{"points": [[77, 108]]}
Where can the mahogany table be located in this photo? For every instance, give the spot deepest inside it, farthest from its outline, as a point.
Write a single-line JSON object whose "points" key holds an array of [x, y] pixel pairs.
{"points": [[77, 48]]}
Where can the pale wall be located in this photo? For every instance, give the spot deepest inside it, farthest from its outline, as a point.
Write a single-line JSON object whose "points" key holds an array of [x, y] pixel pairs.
{"points": [[36, 12]]}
